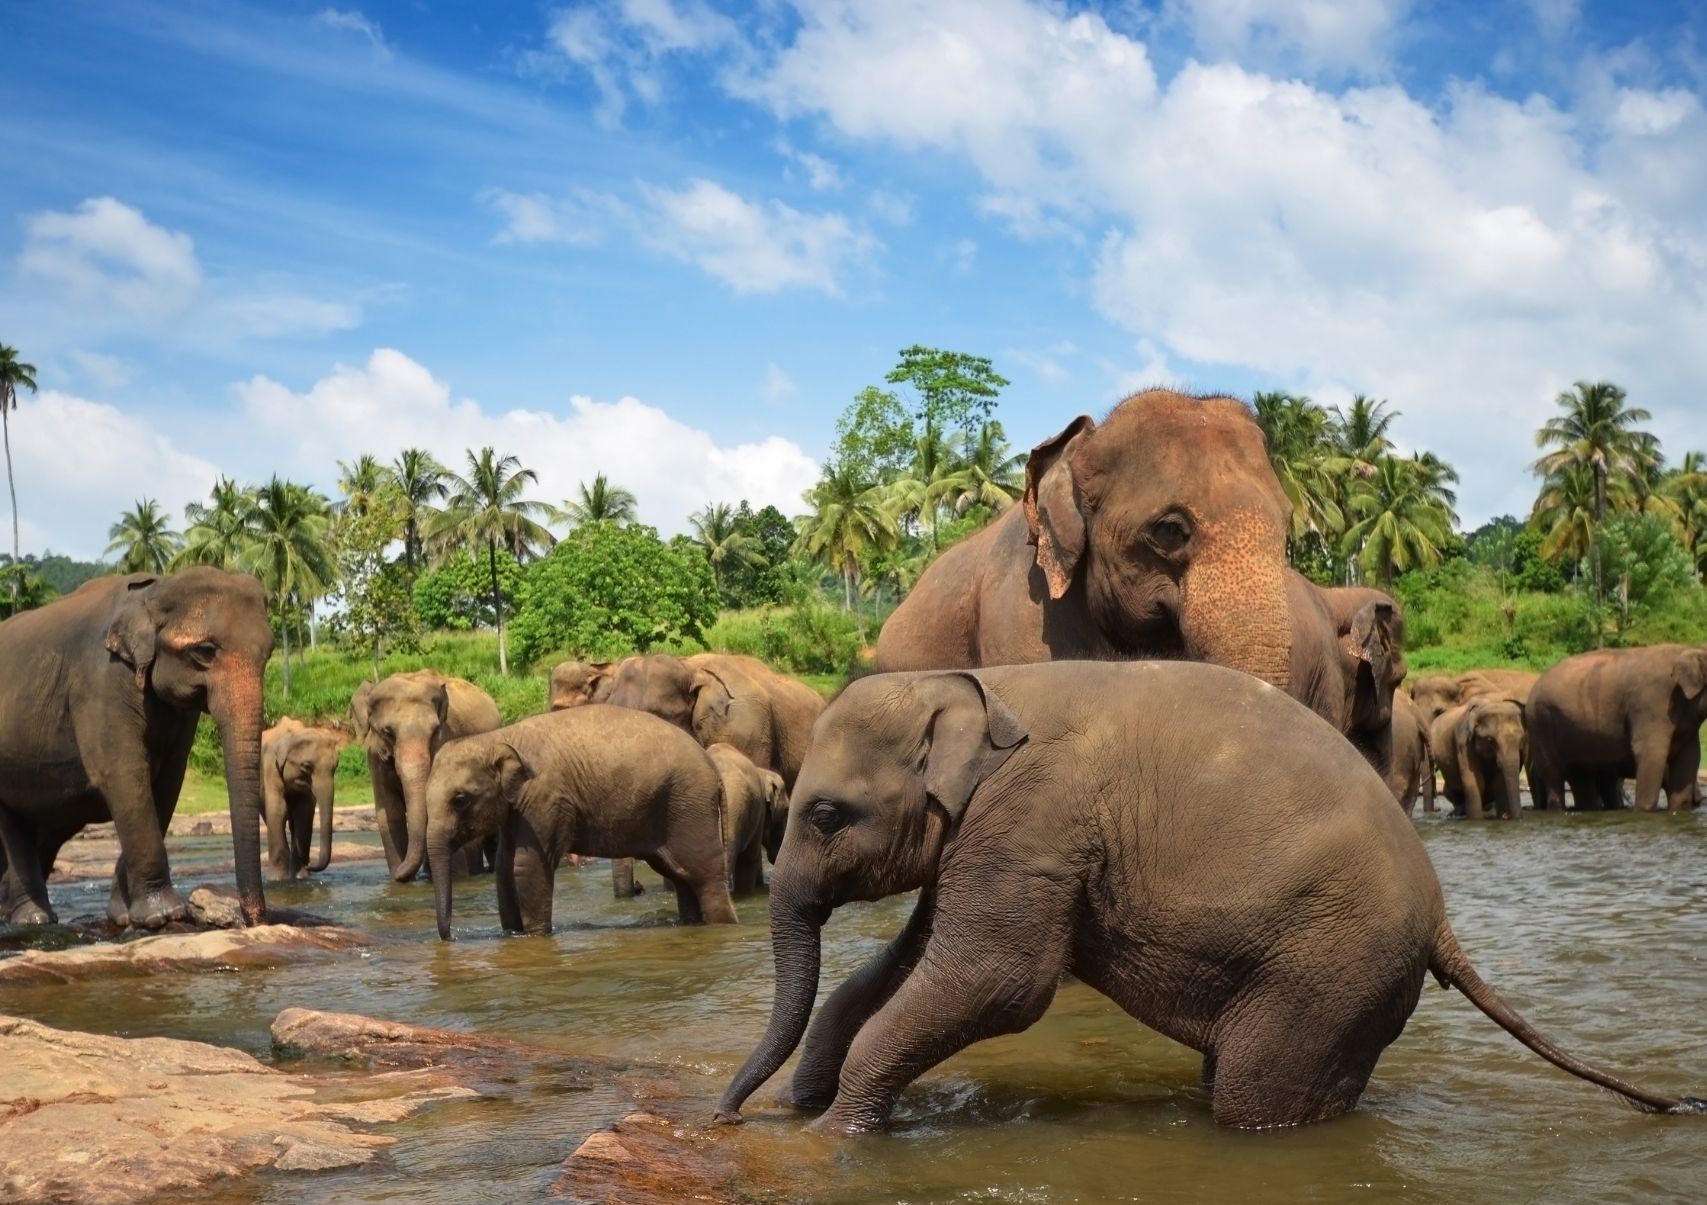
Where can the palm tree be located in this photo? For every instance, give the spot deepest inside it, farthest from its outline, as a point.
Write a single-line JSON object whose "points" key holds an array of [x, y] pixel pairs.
{"points": [[487, 508], [420, 480], [993, 477], [715, 530], [1598, 430], [287, 550], [933, 480], [14, 375], [849, 524], [1686, 488], [1397, 525], [143, 539], [366, 485], [1564, 513], [600, 503], [1300, 448], [218, 529], [1359, 433]]}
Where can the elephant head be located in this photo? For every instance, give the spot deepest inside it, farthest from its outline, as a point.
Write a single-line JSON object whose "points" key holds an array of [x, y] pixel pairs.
{"points": [[576, 682], [1689, 684], [473, 785], [895, 761], [1167, 519], [656, 683], [1492, 732], [199, 640], [1434, 696], [776, 812], [404, 720], [1372, 650], [300, 760]]}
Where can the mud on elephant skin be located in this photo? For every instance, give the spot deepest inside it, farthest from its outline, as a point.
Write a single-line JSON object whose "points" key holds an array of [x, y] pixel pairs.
{"points": [[1480, 748], [403, 721], [604, 781], [1246, 889], [100, 693], [298, 767]]}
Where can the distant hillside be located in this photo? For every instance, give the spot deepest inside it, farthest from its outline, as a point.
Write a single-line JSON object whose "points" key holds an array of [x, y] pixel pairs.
{"points": [[61, 573]]}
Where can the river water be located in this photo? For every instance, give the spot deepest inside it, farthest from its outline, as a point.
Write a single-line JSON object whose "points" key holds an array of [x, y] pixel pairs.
{"points": [[1594, 926]]}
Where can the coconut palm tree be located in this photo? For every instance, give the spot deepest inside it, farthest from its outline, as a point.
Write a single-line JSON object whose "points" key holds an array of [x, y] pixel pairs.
{"points": [[1599, 430], [850, 523], [993, 474], [601, 502], [1686, 488], [725, 544], [1359, 432], [1564, 512], [488, 509], [143, 538], [1397, 526], [1300, 449], [933, 480], [14, 375], [420, 481], [218, 529], [287, 549], [366, 485]]}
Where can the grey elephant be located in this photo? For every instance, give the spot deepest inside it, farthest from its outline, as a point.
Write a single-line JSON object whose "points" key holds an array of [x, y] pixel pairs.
{"points": [[1480, 747], [1619, 713], [1438, 693], [574, 683], [1182, 838], [606, 781], [100, 693], [1411, 771], [1368, 629], [404, 720], [298, 767], [755, 806]]}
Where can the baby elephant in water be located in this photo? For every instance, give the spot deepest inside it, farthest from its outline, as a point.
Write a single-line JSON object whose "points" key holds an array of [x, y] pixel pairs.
{"points": [[1186, 839], [606, 781]]}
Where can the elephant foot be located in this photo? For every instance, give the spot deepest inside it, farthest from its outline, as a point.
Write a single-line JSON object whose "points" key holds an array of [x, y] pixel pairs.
{"points": [[28, 912], [157, 909], [832, 1126]]}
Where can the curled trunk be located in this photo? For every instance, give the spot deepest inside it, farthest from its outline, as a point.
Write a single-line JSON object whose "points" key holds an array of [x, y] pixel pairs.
{"points": [[323, 792], [413, 766], [796, 945], [1236, 614], [439, 855], [239, 718]]}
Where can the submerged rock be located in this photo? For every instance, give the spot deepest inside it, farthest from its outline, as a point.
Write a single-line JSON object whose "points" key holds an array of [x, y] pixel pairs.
{"points": [[647, 1159], [216, 950], [107, 1121]]}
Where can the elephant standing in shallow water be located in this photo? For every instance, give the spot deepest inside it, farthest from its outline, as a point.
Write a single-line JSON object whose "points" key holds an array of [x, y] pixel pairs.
{"points": [[1480, 748], [1184, 839], [298, 765]]}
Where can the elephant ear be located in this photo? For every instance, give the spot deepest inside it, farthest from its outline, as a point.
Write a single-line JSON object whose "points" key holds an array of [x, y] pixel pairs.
{"points": [[441, 702], [512, 769], [359, 703], [133, 628], [1690, 673], [969, 733], [1053, 509], [1375, 641], [712, 698]]}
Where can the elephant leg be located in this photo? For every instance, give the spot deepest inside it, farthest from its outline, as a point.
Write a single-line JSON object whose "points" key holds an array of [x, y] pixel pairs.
{"points": [[986, 969], [23, 894], [707, 887], [1651, 758], [389, 810], [534, 873], [1428, 789], [746, 872], [851, 1005], [1585, 791], [1681, 774], [622, 883], [504, 872]]}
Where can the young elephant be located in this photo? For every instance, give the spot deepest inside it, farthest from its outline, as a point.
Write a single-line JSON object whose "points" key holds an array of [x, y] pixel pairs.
{"points": [[1598, 717], [297, 768], [599, 780], [1099, 820], [755, 803], [1480, 747]]}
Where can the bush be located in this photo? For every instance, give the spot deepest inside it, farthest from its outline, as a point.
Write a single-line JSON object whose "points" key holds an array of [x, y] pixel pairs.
{"points": [[457, 595], [809, 638]]}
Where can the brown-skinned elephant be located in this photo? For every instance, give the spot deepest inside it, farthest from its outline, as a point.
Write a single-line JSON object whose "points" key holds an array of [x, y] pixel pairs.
{"points": [[1412, 769], [1185, 839], [1619, 713], [605, 781], [755, 803], [1352, 685], [298, 765], [1480, 748], [575, 683], [1438, 693], [100, 693], [403, 721]]}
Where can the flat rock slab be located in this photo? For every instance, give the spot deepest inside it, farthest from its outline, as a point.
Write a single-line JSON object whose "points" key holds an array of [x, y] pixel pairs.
{"points": [[217, 950], [92, 1119], [648, 1159]]}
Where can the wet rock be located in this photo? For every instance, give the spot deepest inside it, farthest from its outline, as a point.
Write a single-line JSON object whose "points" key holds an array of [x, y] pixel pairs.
{"points": [[106, 1121], [647, 1159], [216, 909], [217, 950]]}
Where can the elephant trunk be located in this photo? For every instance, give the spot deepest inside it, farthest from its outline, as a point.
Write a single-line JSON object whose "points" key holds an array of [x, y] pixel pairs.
{"points": [[1510, 764], [236, 708], [1234, 610], [323, 780], [439, 855], [796, 944], [414, 762]]}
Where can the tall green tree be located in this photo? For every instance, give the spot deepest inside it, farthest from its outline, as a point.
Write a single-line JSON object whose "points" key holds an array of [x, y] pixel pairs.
{"points": [[288, 550], [218, 528], [993, 475], [725, 541], [874, 435], [366, 485], [1686, 486], [600, 502], [850, 524], [1300, 449], [1597, 429], [14, 375], [378, 605], [489, 509], [933, 479], [420, 481], [1396, 525], [956, 390], [143, 538], [1564, 512], [1360, 433]]}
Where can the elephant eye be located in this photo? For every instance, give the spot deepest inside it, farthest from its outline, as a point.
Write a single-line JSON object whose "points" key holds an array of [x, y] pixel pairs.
{"points": [[825, 817], [1170, 533], [203, 653]]}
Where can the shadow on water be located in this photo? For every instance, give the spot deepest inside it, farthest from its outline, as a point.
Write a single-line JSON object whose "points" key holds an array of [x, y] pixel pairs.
{"points": [[1594, 926]]}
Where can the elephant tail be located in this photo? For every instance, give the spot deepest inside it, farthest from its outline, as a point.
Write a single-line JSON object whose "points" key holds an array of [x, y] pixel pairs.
{"points": [[1451, 966]]}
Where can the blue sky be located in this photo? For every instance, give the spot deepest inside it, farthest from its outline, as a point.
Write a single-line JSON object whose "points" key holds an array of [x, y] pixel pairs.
{"points": [[670, 240]]}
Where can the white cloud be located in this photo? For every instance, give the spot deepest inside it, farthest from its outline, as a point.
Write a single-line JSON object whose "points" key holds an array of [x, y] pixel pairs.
{"points": [[778, 384], [1046, 363], [81, 463], [1464, 257], [393, 402], [754, 247], [101, 370], [623, 48], [276, 315], [106, 256], [354, 22], [1347, 36], [536, 218], [821, 174], [1555, 18]]}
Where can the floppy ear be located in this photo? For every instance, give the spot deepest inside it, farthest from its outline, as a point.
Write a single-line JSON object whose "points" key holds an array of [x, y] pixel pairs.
{"points": [[359, 707], [1374, 640], [441, 702], [712, 698], [1053, 513], [1690, 673], [131, 631], [969, 733], [513, 772]]}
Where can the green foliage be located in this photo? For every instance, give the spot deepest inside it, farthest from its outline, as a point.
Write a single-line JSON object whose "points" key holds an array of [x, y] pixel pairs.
{"points": [[874, 435], [143, 539], [456, 596], [1646, 564], [763, 581], [811, 638], [605, 591], [378, 608], [956, 391], [59, 573], [21, 590]]}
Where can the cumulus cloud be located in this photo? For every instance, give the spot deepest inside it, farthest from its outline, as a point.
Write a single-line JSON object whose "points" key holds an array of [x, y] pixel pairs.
{"points": [[393, 402], [81, 463], [821, 174], [106, 255], [537, 218], [622, 49], [1351, 37]]}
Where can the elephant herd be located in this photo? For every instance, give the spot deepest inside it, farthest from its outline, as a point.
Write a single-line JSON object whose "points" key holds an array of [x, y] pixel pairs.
{"points": [[1113, 735]]}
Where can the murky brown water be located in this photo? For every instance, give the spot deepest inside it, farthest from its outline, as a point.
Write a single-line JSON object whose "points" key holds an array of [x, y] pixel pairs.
{"points": [[1595, 926]]}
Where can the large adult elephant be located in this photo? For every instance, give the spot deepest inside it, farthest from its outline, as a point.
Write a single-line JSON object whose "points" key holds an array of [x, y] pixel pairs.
{"points": [[1599, 716], [298, 766], [403, 720], [100, 693]]}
